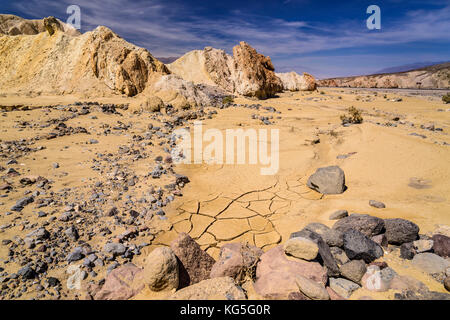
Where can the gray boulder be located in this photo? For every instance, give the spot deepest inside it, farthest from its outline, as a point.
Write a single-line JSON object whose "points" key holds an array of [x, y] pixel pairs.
{"points": [[324, 250], [357, 246], [377, 204], [399, 231], [432, 264], [441, 245], [338, 215], [333, 238], [328, 180], [364, 223], [354, 270], [116, 249], [343, 287]]}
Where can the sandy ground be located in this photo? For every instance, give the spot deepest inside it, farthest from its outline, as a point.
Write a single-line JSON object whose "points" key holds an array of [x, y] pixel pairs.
{"points": [[229, 203]]}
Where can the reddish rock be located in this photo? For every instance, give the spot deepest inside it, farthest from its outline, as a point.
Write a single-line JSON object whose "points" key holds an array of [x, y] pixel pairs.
{"points": [[121, 283], [297, 296], [90, 290], [441, 245], [235, 259], [380, 240], [195, 264], [276, 274]]}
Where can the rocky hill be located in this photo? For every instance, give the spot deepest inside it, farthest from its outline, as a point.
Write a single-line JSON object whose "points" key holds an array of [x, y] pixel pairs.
{"points": [[13, 25], [433, 77], [55, 62], [48, 57]]}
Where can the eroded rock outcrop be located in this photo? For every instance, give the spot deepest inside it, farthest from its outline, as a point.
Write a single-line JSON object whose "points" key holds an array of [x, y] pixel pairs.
{"points": [[292, 81], [246, 73]]}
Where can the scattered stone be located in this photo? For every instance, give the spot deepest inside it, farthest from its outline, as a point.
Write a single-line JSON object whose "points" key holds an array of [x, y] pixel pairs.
{"points": [[332, 237], [211, 289], [428, 295], [20, 204], [53, 282], [338, 215], [343, 287], [26, 273], [376, 279], [195, 264], [381, 240], [423, 245], [312, 289], [116, 249], [72, 233], [121, 283], [447, 283], [161, 270], [339, 255], [236, 261], [364, 223], [333, 294], [297, 296], [353, 270], [431, 263], [441, 245], [357, 246], [377, 204], [76, 255], [276, 273], [328, 180], [399, 231], [324, 250], [301, 248], [407, 251]]}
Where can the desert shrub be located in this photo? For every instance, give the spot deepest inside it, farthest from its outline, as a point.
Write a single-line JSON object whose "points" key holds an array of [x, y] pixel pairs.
{"points": [[227, 100], [446, 98], [353, 116]]}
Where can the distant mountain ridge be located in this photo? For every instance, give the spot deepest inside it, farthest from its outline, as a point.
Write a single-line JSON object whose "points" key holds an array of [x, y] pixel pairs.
{"points": [[167, 60], [408, 67], [430, 77]]}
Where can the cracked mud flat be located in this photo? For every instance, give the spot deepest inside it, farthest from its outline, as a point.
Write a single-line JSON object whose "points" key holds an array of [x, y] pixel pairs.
{"points": [[235, 203], [385, 158]]}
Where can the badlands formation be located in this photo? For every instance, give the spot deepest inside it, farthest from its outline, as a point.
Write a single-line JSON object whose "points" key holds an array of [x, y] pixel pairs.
{"points": [[92, 205]]}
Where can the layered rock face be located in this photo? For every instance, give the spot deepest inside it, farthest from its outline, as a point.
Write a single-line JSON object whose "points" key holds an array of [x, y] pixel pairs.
{"points": [[434, 77], [292, 81], [13, 25], [246, 73]]}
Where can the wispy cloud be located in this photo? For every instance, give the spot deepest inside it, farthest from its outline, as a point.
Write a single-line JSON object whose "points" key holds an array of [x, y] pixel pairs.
{"points": [[169, 29]]}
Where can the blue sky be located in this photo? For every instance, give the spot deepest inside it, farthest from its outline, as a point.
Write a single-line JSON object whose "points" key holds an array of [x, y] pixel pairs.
{"points": [[325, 38]]}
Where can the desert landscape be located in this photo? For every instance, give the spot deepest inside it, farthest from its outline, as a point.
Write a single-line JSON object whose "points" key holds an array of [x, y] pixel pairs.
{"points": [[94, 205]]}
